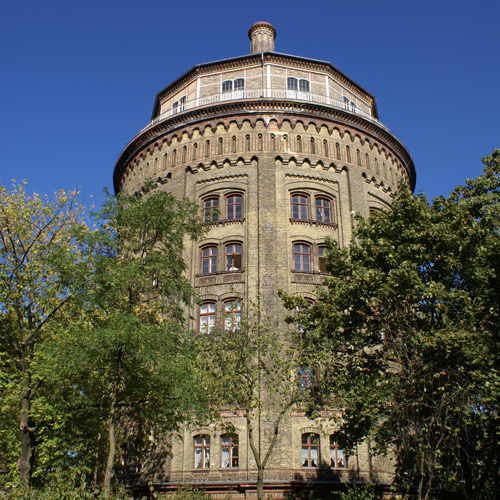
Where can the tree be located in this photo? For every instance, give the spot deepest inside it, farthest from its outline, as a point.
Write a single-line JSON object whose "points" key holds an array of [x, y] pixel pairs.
{"points": [[405, 336], [37, 247], [128, 358], [251, 365]]}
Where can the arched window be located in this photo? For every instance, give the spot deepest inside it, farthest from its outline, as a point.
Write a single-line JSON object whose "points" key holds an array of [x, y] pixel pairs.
{"points": [[337, 149], [292, 83], [184, 152], [232, 315], [300, 206], [285, 142], [202, 452], [348, 153], [239, 84], [233, 256], [358, 157], [229, 451], [260, 142], [207, 148], [299, 144], [323, 209], [207, 317], [195, 150], [310, 450], [301, 257], [209, 259], [273, 142], [367, 161], [227, 86], [304, 86], [234, 206], [233, 141], [247, 142], [325, 148], [221, 145], [337, 456], [376, 166], [174, 157], [211, 209], [313, 146]]}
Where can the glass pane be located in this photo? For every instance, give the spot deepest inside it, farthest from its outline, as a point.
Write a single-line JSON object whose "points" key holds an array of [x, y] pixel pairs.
{"points": [[225, 457], [305, 457], [197, 459], [340, 458]]}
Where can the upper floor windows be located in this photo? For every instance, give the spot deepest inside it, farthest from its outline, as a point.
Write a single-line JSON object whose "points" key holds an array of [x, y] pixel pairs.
{"points": [[229, 451], [179, 105], [300, 206], [209, 259], [234, 206], [230, 85], [232, 209], [202, 452], [233, 257], [295, 84], [211, 209], [322, 209], [301, 257]]}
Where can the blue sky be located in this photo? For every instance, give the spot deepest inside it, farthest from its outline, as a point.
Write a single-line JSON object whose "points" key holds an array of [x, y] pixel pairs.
{"points": [[79, 78]]}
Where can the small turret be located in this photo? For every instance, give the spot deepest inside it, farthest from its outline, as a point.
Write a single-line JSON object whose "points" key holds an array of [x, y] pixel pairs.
{"points": [[262, 37]]}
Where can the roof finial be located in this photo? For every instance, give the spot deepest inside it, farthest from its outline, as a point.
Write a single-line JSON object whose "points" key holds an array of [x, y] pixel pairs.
{"points": [[262, 37]]}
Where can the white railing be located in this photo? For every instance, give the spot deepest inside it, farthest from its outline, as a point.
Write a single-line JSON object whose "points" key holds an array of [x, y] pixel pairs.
{"points": [[237, 95]]}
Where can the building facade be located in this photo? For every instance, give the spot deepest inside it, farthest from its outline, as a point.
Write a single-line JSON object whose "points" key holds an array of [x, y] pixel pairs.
{"points": [[281, 152]]}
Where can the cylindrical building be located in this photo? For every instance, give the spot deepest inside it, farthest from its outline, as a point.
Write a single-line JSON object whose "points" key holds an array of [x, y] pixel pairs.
{"points": [[280, 152]]}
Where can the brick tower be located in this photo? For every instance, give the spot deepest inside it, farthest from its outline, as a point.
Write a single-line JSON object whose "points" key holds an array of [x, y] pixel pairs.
{"points": [[287, 150]]}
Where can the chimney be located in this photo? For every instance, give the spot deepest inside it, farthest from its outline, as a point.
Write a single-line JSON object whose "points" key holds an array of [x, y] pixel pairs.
{"points": [[262, 37]]}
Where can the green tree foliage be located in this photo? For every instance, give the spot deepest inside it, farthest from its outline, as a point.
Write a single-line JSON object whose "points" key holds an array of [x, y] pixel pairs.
{"points": [[249, 366], [37, 247], [405, 337], [126, 361]]}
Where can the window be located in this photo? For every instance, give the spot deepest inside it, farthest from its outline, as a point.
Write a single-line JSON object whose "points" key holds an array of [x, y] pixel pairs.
{"points": [[313, 146], [234, 206], [337, 150], [207, 148], [221, 146], [233, 257], [348, 153], [209, 260], [310, 450], [300, 206], [229, 451], [184, 153], [323, 209], [325, 148], [292, 83], [260, 142], [306, 378], [232, 315], [358, 157], [227, 86], [299, 144], [207, 317], [211, 209], [322, 259], [239, 84], [179, 105], [195, 149], [304, 86], [273, 142], [337, 456], [202, 452], [301, 257], [233, 142]]}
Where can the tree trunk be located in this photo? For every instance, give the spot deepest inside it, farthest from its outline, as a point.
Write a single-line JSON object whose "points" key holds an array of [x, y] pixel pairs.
{"points": [[25, 425], [260, 483], [111, 447]]}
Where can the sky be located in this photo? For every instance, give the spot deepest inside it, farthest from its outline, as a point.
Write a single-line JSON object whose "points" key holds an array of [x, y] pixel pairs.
{"points": [[79, 78]]}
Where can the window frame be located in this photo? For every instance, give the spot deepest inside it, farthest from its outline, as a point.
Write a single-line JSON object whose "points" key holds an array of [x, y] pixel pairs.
{"points": [[233, 314], [228, 256], [210, 315], [292, 84], [322, 259], [298, 205], [232, 445], [209, 258], [234, 206], [204, 447], [211, 213], [334, 457], [322, 209], [301, 264], [309, 446]]}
